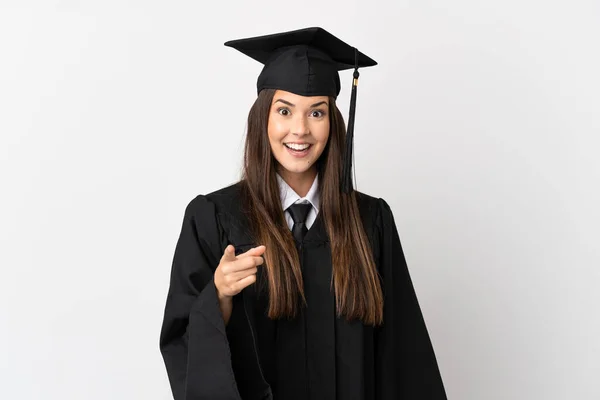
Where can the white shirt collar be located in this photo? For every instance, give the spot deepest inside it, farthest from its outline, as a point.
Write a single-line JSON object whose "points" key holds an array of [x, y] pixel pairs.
{"points": [[288, 196]]}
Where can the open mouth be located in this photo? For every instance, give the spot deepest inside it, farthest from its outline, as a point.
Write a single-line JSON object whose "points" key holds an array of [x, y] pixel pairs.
{"points": [[298, 149]]}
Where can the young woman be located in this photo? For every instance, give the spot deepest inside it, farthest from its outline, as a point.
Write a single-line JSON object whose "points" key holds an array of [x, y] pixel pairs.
{"points": [[290, 284]]}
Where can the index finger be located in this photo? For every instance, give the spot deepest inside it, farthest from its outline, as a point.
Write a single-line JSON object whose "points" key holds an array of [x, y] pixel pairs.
{"points": [[255, 251]]}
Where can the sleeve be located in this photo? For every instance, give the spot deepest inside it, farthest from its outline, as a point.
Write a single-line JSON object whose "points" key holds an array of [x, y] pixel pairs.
{"points": [[406, 366], [193, 341]]}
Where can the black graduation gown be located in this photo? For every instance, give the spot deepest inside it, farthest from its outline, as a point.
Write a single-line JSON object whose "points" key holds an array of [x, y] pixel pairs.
{"points": [[313, 356]]}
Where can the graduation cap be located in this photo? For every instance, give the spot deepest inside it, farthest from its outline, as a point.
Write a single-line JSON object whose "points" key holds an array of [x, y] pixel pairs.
{"points": [[306, 62]]}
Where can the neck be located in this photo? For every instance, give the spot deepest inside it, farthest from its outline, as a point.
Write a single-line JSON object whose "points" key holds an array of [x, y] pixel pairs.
{"points": [[300, 182]]}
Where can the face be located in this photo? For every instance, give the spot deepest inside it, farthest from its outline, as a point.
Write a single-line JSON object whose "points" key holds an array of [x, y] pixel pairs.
{"points": [[298, 130]]}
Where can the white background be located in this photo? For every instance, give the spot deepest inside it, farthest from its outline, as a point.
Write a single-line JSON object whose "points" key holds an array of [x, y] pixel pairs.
{"points": [[479, 126]]}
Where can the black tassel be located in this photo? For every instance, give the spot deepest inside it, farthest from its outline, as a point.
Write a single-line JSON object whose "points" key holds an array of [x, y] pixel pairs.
{"points": [[347, 186]]}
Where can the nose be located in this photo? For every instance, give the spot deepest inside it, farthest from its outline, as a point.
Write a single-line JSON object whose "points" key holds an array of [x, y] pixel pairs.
{"points": [[300, 126]]}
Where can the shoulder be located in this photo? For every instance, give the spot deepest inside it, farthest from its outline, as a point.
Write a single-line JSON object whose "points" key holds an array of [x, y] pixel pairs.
{"points": [[217, 201], [220, 211], [227, 193], [377, 217], [375, 207]]}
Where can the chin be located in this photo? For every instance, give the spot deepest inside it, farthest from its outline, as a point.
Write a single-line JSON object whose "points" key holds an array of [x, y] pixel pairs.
{"points": [[299, 167], [294, 169]]}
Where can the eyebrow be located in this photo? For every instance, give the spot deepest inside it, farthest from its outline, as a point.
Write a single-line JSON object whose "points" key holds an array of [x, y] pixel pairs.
{"points": [[292, 105]]}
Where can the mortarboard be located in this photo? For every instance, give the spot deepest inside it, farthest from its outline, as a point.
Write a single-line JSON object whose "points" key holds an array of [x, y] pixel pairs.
{"points": [[306, 62]]}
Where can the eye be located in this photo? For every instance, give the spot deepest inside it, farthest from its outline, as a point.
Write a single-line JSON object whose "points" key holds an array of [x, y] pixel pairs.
{"points": [[283, 111], [317, 113]]}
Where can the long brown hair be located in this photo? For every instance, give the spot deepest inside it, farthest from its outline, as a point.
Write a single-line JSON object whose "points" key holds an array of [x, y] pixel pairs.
{"points": [[355, 279]]}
